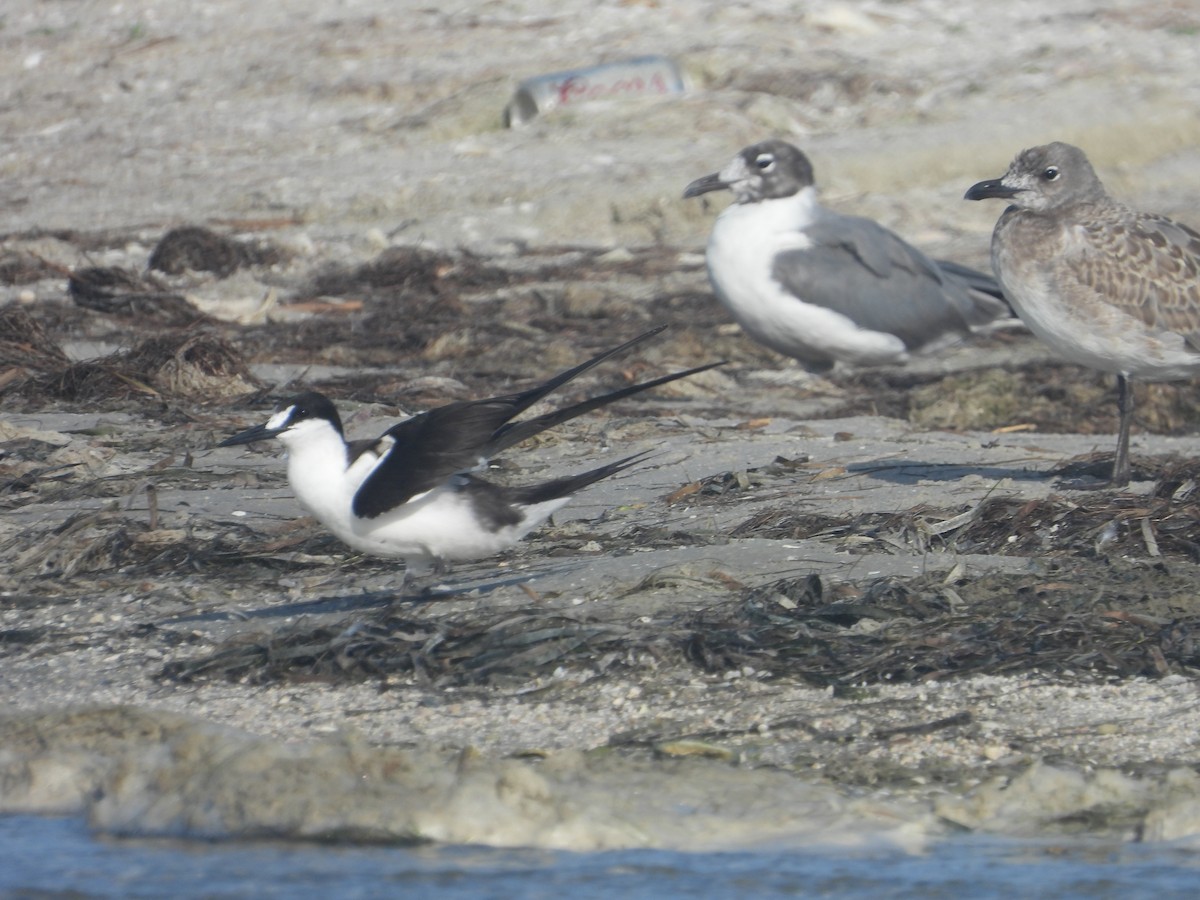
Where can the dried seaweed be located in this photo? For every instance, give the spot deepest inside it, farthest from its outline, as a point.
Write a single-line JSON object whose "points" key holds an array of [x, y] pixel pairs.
{"points": [[1099, 615], [892, 630], [25, 342], [1165, 524], [441, 652], [119, 292], [20, 267], [1051, 397], [1138, 624], [197, 365], [924, 629], [84, 542], [199, 249], [423, 271], [399, 268]]}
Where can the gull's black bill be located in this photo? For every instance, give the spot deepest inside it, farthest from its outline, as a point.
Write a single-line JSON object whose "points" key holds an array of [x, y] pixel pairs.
{"points": [[984, 190], [704, 185]]}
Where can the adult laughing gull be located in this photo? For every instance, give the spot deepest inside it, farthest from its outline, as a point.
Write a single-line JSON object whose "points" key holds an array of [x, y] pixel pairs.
{"points": [[1104, 285], [410, 493], [823, 287]]}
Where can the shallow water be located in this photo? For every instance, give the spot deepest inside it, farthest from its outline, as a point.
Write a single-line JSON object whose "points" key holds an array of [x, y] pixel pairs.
{"points": [[59, 856]]}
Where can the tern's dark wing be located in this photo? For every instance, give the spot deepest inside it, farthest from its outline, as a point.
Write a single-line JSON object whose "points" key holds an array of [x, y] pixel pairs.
{"points": [[422, 452], [498, 506], [429, 448]]}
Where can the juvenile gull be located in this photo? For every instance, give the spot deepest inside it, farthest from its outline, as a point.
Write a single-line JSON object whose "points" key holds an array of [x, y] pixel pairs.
{"points": [[412, 493], [823, 287], [1104, 285]]}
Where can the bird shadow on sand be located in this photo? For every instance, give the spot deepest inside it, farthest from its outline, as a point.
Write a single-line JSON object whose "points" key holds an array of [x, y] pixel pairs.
{"points": [[912, 471], [410, 594], [315, 607]]}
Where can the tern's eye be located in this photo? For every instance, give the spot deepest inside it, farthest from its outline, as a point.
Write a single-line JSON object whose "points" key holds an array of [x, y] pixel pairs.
{"points": [[1050, 173], [765, 161]]}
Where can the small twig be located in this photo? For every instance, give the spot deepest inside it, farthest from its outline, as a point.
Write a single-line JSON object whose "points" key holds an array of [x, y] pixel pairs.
{"points": [[152, 504], [1148, 537], [962, 718]]}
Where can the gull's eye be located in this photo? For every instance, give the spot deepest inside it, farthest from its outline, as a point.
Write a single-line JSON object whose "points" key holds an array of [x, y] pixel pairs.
{"points": [[1050, 173], [765, 161]]}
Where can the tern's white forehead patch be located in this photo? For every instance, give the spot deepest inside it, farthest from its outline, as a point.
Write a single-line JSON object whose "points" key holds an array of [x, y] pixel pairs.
{"points": [[280, 418]]}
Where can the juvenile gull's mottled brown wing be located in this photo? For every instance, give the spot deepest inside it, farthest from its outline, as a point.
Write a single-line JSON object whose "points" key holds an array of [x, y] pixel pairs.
{"points": [[1148, 266]]}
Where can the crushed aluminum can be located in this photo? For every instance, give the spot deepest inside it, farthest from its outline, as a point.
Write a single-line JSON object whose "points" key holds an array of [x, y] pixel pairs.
{"points": [[638, 77]]}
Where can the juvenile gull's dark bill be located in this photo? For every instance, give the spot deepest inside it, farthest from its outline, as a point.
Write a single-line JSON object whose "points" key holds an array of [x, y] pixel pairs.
{"points": [[411, 493], [1106, 286], [823, 287]]}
